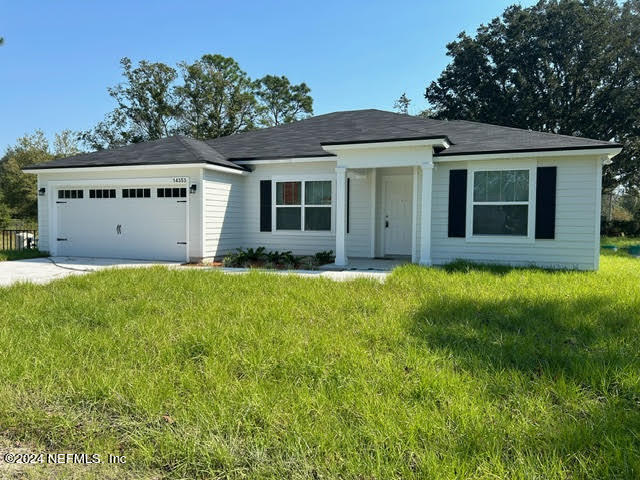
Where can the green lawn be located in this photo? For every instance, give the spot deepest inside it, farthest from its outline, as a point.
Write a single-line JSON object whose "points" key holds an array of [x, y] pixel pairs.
{"points": [[458, 373], [620, 242]]}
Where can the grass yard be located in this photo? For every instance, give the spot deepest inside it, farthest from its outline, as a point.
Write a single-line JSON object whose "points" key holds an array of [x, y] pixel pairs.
{"points": [[620, 242], [461, 373]]}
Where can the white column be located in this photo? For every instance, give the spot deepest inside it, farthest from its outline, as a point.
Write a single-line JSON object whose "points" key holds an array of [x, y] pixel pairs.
{"points": [[414, 218], [372, 186], [425, 217], [341, 215]]}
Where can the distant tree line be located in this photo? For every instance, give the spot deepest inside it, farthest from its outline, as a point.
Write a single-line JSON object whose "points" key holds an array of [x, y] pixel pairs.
{"points": [[208, 98], [211, 97], [18, 191], [570, 67]]}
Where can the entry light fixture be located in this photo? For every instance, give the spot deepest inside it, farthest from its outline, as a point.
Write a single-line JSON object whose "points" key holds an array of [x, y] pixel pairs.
{"points": [[193, 188], [41, 191]]}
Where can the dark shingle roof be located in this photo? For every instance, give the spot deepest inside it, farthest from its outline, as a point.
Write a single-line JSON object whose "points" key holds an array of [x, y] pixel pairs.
{"points": [[306, 137], [475, 138], [170, 150]]}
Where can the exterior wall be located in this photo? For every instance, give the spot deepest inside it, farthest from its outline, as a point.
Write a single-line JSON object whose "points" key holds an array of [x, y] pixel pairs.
{"points": [[224, 212], [358, 240], [194, 175], [576, 243], [303, 243], [43, 217]]}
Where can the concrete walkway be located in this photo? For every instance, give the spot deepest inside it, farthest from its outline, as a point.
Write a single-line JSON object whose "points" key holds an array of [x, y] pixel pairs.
{"points": [[367, 264], [341, 276], [44, 270]]}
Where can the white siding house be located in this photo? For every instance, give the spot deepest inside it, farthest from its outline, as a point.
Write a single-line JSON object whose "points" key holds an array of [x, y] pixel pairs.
{"points": [[364, 184]]}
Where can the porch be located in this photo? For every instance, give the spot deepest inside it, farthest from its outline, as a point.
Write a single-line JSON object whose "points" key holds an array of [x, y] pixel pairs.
{"points": [[398, 179], [380, 219]]}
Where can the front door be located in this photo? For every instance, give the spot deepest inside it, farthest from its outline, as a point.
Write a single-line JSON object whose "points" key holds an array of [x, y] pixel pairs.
{"points": [[396, 212]]}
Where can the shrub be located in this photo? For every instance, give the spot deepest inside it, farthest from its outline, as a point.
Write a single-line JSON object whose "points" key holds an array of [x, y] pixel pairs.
{"points": [[251, 254], [231, 260], [308, 263], [617, 228], [278, 257], [289, 259], [248, 258], [325, 257]]}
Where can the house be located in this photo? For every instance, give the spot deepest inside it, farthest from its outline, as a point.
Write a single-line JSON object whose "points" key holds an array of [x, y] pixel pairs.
{"points": [[365, 183]]}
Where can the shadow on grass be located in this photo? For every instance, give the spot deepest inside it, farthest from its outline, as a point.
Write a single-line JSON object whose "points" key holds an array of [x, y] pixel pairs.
{"points": [[579, 354], [584, 339], [465, 266]]}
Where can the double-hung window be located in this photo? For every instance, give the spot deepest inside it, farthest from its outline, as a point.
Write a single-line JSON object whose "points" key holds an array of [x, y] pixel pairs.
{"points": [[501, 203], [303, 205]]}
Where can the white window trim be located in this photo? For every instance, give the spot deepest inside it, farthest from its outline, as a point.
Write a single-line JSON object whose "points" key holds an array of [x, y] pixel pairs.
{"points": [[530, 165], [303, 179]]}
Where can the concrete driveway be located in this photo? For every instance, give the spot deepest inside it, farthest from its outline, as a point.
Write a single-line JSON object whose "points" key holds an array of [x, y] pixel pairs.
{"points": [[44, 270]]}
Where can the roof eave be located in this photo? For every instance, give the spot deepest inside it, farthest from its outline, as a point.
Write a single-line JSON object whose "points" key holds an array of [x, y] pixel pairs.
{"points": [[241, 170], [609, 151], [434, 141]]}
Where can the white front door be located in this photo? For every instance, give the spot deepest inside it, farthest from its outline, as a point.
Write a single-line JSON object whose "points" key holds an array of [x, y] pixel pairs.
{"points": [[147, 222], [396, 214]]}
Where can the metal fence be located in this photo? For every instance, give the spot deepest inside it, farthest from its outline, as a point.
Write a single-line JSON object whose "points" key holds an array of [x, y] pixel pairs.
{"points": [[19, 239]]}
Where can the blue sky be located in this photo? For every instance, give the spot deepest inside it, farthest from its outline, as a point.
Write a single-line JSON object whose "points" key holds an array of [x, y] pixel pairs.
{"points": [[59, 57]]}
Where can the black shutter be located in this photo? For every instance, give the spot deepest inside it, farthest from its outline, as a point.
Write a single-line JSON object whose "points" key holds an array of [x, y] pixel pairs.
{"points": [[265, 205], [457, 203], [546, 202]]}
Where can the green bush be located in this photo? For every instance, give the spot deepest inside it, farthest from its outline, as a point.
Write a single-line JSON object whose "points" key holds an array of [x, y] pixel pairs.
{"points": [[277, 257], [251, 254], [272, 259], [231, 260], [324, 257], [617, 228]]}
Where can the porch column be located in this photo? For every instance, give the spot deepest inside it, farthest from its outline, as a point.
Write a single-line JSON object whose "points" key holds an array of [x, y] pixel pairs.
{"points": [[425, 216], [341, 216]]}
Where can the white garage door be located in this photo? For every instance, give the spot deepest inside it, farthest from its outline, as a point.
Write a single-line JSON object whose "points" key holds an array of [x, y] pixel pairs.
{"points": [[137, 222]]}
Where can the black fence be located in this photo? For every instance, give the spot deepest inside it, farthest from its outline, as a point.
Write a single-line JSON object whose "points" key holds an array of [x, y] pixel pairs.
{"points": [[19, 239]]}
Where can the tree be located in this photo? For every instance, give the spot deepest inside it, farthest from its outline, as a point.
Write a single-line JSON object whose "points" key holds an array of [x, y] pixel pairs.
{"points": [[18, 195], [18, 188], [401, 105], [280, 102], [66, 144], [216, 98], [112, 132], [562, 66], [146, 107], [5, 213]]}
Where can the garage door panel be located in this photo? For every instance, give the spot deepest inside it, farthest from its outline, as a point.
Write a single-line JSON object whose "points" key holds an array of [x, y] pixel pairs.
{"points": [[137, 228]]}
